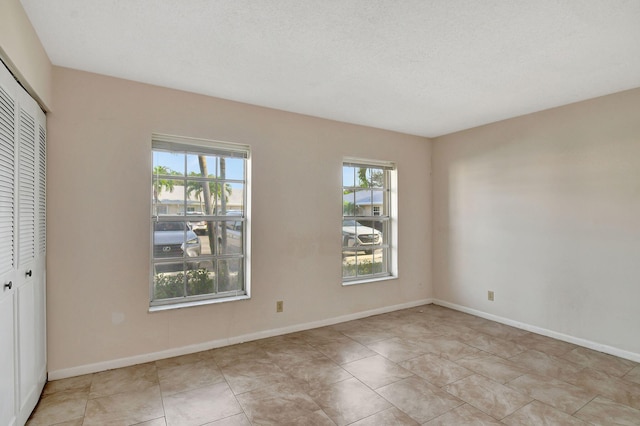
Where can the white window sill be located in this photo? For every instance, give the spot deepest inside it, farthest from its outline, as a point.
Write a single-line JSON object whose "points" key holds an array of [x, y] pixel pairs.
{"points": [[369, 280], [168, 307]]}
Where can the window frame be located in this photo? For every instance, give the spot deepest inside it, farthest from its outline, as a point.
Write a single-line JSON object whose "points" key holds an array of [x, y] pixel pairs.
{"points": [[386, 216], [193, 146]]}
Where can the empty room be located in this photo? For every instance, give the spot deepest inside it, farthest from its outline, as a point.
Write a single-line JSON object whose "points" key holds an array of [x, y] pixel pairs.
{"points": [[303, 212]]}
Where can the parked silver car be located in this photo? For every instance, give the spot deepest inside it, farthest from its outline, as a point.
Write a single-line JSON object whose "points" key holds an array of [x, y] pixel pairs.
{"points": [[174, 239], [233, 231]]}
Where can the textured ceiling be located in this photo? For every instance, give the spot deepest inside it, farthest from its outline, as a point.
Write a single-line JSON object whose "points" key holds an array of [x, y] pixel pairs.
{"points": [[424, 67]]}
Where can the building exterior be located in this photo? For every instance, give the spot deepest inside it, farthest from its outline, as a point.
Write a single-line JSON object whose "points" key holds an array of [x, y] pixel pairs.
{"points": [[177, 200], [366, 202]]}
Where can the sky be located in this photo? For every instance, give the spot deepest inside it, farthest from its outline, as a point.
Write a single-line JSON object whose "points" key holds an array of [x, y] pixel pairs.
{"points": [[234, 166], [176, 162]]}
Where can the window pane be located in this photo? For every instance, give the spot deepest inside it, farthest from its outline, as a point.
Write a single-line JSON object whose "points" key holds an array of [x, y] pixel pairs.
{"points": [[200, 281], [168, 163], [364, 265], [230, 237], [361, 234], [202, 230], [233, 202], [360, 174], [379, 264], [348, 264], [349, 233], [168, 193], [234, 168], [348, 176], [383, 227], [174, 239], [377, 202], [230, 275], [202, 165], [197, 225], [349, 204], [167, 284], [196, 193], [375, 178]]}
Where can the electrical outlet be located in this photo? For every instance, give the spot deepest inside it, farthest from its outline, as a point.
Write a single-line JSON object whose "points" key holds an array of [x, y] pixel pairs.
{"points": [[490, 295], [279, 306]]}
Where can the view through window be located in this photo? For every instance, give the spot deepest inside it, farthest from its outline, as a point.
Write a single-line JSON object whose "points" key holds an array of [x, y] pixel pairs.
{"points": [[199, 220], [366, 220]]}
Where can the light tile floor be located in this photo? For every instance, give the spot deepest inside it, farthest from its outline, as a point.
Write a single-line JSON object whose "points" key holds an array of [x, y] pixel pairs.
{"points": [[426, 365]]}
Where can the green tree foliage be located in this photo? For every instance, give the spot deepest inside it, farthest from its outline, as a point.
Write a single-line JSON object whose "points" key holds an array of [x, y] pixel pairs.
{"points": [[164, 183], [375, 180], [215, 189], [348, 209]]}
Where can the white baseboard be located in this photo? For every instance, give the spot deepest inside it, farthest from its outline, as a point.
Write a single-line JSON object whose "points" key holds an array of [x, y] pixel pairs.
{"points": [[184, 350], [632, 356]]}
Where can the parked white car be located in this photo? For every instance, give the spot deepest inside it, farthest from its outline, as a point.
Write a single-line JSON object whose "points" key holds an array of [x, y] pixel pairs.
{"points": [[356, 236], [199, 227]]}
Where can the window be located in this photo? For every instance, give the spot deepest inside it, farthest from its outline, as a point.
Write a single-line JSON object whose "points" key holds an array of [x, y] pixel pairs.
{"points": [[367, 220], [199, 222]]}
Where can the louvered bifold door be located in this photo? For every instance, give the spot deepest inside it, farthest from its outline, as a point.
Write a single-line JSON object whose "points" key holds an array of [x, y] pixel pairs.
{"points": [[27, 187], [7, 182], [42, 190], [8, 252], [22, 251], [30, 273]]}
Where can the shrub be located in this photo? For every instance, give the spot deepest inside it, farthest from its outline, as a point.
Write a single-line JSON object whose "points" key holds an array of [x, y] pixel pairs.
{"points": [[169, 285], [362, 268]]}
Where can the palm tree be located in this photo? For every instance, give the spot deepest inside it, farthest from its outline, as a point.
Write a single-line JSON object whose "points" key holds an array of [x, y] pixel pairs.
{"points": [[377, 177], [162, 184], [215, 189], [207, 190]]}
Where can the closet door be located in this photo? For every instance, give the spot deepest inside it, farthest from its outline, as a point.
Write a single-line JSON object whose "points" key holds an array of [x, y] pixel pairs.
{"points": [[7, 361], [22, 251], [41, 251], [26, 297], [30, 274], [7, 251]]}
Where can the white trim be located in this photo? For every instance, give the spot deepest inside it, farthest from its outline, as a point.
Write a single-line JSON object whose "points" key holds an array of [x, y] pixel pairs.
{"points": [[185, 142], [393, 216], [184, 350], [369, 280], [185, 145], [366, 162], [209, 301], [621, 353]]}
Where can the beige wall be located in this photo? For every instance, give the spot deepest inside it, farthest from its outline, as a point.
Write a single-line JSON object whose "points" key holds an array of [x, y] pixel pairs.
{"points": [[99, 207], [23, 53], [542, 209], [545, 211]]}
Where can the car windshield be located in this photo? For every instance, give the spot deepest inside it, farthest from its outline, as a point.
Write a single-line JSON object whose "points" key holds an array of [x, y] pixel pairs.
{"points": [[350, 223], [169, 226]]}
